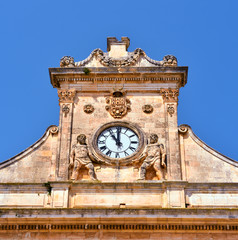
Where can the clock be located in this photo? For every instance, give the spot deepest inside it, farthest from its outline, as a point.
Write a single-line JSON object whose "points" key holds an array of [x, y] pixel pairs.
{"points": [[118, 141]]}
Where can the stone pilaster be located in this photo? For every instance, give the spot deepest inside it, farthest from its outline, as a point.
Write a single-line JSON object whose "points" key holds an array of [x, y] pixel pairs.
{"points": [[66, 101], [170, 98]]}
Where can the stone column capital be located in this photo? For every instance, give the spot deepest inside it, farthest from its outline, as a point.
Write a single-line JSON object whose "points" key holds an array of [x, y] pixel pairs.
{"points": [[66, 95], [170, 95]]}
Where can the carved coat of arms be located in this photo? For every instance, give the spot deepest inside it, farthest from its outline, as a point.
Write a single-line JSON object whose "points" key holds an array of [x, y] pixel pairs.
{"points": [[117, 104]]}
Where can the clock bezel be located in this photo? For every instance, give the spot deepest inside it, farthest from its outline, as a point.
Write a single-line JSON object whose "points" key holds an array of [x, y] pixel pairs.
{"points": [[124, 160]]}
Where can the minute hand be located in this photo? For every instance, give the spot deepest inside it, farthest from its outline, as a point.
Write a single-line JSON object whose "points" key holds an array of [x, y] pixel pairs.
{"points": [[118, 142]]}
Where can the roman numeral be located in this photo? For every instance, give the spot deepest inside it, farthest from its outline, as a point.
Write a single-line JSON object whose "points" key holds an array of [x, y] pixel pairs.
{"points": [[111, 132], [132, 149], [108, 153], [126, 130], [132, 136], [101, 142], [117, 155], [134, 142], [126, 154], [103, 148]]}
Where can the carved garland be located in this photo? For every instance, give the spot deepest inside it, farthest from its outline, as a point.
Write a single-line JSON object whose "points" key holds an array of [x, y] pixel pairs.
{"points": [[104, 59]]}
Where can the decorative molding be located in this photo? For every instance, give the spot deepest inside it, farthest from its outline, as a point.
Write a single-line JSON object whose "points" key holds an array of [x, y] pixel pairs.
{"points": [[170, 95], [53, 130], [130, 60], [183, 129], [169, 61], [117, 104], [28, 150], [147, 108], [170, 109], [66, 96], [65, 109], [67, 61], [88, 108], [203, 145], [50, 227]]}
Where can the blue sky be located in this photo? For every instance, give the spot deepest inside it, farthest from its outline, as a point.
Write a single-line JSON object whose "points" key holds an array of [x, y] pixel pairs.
{"points": [[36, 34]]}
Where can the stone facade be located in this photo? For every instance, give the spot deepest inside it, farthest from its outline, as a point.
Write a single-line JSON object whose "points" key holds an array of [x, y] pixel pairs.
{"points": [[189, 191]]}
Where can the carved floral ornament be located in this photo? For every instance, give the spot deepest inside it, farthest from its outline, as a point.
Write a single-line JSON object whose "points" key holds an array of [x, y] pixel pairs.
{"points": [[88, 108], [130, 60], [147, 108], [66, 96], [170, 109], [169, 95], [65, 109], [117, 104]]}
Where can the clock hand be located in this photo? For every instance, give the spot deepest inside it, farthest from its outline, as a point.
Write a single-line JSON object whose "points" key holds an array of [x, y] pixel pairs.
{"points": [[112, 135], [118, 142]]}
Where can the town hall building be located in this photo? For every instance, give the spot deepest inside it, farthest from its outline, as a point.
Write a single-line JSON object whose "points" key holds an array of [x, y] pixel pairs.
{"points": [[118, 166]]}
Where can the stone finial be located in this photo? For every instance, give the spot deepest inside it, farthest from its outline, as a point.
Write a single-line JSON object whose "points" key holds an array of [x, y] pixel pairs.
{"points": [[67, 61], [170, 61]]}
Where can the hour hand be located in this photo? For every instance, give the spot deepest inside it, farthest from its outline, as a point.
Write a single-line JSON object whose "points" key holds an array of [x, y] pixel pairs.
{"points": [[112, 135]]}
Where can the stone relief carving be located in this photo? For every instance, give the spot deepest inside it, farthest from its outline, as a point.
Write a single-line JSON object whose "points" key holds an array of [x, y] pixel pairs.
{"points": [[154, 155], [117, 104], [54, 130], [169, 94], [130, 60], [88, 108], [80, 156], [170, 61], [147, 108], [66, 96], [170, 109], [183, 129], [65, 109], [67, 61]]}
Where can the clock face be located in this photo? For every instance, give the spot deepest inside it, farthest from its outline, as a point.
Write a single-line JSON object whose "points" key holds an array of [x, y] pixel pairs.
{"points": [[117, 142]]}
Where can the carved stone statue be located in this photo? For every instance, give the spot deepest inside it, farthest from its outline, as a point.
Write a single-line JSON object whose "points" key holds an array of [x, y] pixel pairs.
{"points": [[153, 155], [80, 157]]}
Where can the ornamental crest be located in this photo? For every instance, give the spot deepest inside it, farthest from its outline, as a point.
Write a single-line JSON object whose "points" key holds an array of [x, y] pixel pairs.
{"points": [[117, 104]]}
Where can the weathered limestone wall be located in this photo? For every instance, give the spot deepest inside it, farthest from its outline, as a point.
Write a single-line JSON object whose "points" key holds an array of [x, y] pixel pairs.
{"points": [[204, 164], [35, 164], [89, 123]]}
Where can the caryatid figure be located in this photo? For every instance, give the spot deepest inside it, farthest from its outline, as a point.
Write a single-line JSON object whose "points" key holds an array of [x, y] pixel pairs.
{"points": [[154, 155], [79, 157]]}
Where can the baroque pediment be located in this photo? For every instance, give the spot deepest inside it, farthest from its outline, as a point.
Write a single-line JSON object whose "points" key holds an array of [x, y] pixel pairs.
{"points": [[118, 56]]}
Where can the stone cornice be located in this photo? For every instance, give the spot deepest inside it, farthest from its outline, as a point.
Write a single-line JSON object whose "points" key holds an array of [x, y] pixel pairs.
{"points": [[116, 219], [176, 75]]}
